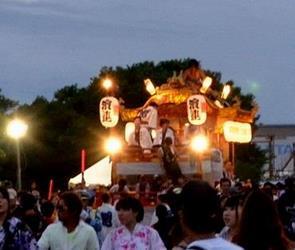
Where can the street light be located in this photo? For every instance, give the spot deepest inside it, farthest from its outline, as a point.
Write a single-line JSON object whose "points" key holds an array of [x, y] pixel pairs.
{"points": [[17, 129]]}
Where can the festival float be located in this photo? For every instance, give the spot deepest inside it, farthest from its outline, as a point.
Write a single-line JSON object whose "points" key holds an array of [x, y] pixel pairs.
{"points": [[206, 128]]}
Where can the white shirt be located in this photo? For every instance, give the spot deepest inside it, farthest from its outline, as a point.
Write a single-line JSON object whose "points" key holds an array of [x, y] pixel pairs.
{"points": [[149, 117], [215, 244], [145, 139], [142, 238], [109, 219], [56, 237], [159, 134]]}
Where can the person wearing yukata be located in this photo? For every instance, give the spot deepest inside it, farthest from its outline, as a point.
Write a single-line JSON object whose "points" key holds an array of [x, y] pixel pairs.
{"points": [[132, 235]]}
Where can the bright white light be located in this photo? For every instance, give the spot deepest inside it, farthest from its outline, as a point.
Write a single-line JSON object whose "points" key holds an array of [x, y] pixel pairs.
{"points": [[17, 129], [225, 91], [206, 84], [107, 83], [113, 145], [149, 86], [199, 143]]}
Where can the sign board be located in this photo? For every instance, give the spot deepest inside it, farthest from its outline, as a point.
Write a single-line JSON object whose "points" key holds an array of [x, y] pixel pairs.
{"points": [[237, 132]]}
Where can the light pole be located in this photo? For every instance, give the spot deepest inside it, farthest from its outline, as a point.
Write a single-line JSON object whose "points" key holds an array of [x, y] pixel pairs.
{"points": [[17, 129]]}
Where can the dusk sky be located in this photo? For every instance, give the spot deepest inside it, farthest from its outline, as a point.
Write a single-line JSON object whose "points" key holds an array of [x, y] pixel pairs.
{"points": [[47, 44]]}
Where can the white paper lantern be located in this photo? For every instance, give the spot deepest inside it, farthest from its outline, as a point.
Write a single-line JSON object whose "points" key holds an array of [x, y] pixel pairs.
{"points": [[109, 111], [196, 109]]}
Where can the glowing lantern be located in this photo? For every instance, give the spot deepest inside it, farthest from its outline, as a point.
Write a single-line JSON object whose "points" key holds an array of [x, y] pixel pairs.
{"points": [[113, 145], [200, 143], [206, 84], [149, 86], [237, 132], [109, 111], [196, 109], [129, 129], [107, 83], [225, 91]]}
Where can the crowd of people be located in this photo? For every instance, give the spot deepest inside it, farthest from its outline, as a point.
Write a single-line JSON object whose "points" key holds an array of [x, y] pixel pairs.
{"points": [[189, 215]]}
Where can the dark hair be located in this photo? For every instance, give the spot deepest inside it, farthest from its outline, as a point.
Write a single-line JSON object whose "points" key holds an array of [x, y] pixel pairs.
{"points": [[5, 194], [168, 141], [223, 180], [194, 63], [27, 201], [47, 208], [260, 226], [199, 205], [105, 197], [135, 205], [73, 202], [122, 183], [164, 121], [161, 212]]}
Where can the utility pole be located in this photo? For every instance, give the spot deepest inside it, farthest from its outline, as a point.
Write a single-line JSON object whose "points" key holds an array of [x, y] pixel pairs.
{"points": [[271, 155]]}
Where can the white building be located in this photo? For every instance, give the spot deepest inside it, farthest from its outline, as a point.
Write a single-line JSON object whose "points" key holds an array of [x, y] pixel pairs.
{"points": [[279, 142]]}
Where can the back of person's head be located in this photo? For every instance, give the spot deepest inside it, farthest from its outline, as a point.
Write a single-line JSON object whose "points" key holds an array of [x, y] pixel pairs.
{"points": [[27, 201], [161, 212], [105, 197], [168, 141], [199, 205], [73, 203], [260, 226], [47, 209], [130, 203]]}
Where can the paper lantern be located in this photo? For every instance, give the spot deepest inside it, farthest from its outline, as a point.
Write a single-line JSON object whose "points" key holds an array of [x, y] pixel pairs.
{"points": [[206, 84], [109, 111], [237, 132], [196, 109], [129, 129], [149, 86]]}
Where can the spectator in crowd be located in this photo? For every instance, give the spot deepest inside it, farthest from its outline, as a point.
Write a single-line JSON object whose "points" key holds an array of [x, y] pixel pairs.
{"points": [[231, 217], [260, 226], [132, 235], [14, 234], [12, 195], [120, 187], [225, 186], [199, 206], [164, 224], [108, 215], [142, 187], [28, 212], [89, 215], [70, 232], [48, 214], [286, 204]]}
